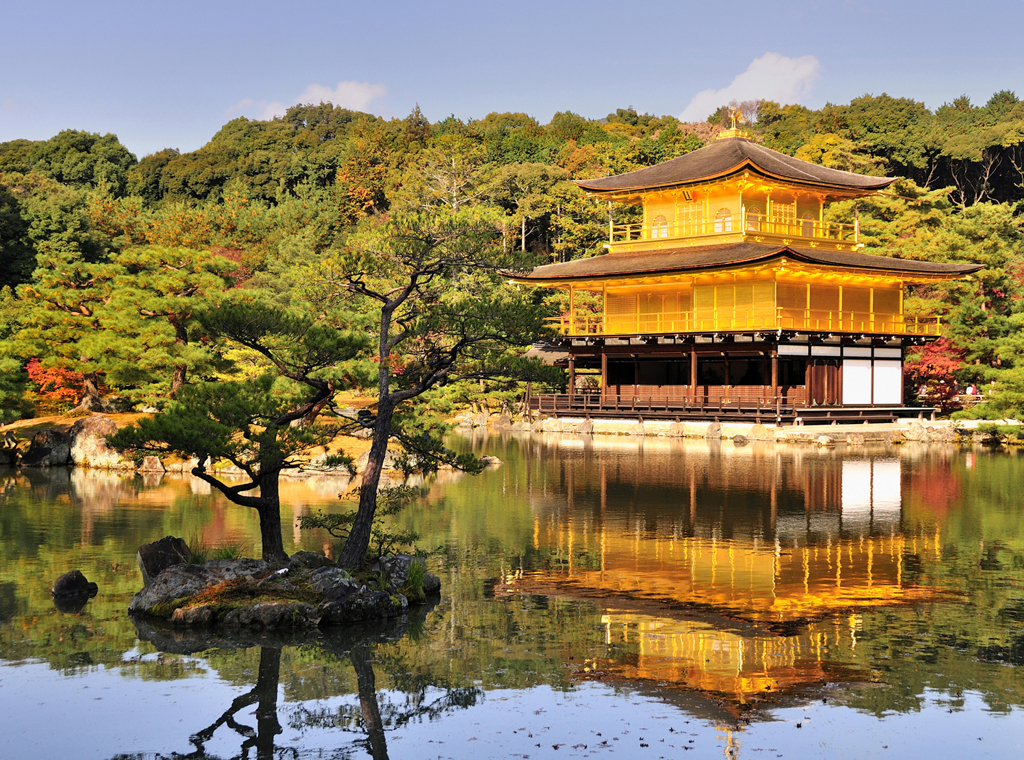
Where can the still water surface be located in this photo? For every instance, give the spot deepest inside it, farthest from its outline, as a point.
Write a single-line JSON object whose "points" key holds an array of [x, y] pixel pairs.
{"points": [[607, 596]]}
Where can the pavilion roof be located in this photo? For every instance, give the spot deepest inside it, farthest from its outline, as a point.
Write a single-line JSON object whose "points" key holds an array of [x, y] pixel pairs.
{"points": [[698, 258], [729, 156]]}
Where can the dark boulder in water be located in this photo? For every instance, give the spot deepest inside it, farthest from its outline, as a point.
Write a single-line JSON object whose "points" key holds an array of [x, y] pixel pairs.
{"points": [[71, 591]]}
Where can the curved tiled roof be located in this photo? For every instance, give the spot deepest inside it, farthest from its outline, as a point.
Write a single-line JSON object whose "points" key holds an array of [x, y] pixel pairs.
{"points": [[728, 156], [696, 258]]}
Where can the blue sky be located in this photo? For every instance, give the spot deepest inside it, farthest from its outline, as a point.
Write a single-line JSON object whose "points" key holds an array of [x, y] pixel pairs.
{"points": [[163, 74]]}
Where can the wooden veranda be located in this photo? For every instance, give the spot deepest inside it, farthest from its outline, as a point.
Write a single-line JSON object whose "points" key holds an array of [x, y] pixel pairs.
{"points": [[764, 409]]}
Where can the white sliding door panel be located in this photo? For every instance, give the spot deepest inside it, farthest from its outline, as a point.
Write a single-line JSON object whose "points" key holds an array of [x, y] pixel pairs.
{"points": [[888, 381], [856, 381]]}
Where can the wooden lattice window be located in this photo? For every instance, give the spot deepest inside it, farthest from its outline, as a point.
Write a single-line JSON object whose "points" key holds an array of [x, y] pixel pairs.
{"points": [[807, 226], [688, 217], [784, 212], [784, 216], [723, 220], [659, 227]]}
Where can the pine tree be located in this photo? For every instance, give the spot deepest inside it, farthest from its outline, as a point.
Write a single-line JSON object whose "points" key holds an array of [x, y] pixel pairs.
{"points": [[149, 326], [255, 424], [443, 311], [59, 313]]}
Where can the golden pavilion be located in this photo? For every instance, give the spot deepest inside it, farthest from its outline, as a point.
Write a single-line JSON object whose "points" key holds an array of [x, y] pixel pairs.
{"points": [[735, 298]]}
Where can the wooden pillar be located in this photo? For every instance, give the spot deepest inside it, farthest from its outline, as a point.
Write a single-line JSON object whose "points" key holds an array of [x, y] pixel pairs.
{"points": [[693, 372], [775, 373], [604, 375], [808, 376], [572, 310], [604, 309], [903, 354], [636, 377], [873, 381], [572, 376]]}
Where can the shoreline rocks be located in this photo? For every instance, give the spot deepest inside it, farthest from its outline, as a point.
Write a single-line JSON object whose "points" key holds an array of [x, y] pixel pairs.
{"points": [[158, 556], [844, 434], [48, 448], [309, 592]]}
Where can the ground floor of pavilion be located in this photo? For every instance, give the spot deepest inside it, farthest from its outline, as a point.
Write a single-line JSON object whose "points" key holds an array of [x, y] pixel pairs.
{"points": [[780, 376]]}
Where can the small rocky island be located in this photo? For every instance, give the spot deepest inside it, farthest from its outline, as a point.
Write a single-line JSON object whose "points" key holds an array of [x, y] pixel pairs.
{"points": [[307, 592]]}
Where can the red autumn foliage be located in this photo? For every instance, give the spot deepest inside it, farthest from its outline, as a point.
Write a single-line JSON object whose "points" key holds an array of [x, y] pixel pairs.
{"points": [[932, 369], [56, 384]]}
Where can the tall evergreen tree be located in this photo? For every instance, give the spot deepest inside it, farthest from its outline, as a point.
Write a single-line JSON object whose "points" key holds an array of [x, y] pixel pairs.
{"points": [[149, 323], [255, 424], [442, 311]]}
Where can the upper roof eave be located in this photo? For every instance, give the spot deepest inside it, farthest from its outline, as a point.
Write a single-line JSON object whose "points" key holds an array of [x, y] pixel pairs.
{"points": [[724, 158], [745, 165], [704, 258]]}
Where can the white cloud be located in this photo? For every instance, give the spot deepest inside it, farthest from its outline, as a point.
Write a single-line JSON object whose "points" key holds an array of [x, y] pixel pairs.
{"points": [[256, 109], [354, 95], [770, 77]]}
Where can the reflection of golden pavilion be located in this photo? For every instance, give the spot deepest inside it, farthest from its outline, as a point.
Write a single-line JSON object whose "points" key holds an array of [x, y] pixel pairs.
{"points": [[699, 655], [728, 537], [814, 591], [765, 558], [759, 581]]}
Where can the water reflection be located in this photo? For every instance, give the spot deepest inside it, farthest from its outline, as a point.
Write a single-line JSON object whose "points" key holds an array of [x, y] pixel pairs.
{"points": [[364, 647], [264, 695], [589, 586], [739, 571], [750, 530]]}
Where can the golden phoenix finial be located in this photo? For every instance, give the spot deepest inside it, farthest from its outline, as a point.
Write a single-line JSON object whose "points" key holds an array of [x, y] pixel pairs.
{"points": [[735, 114]]}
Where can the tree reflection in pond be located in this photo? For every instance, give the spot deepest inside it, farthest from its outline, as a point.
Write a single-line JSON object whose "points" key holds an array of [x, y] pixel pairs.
{"points": [[264, 696], [606, 581], [412, 696]]}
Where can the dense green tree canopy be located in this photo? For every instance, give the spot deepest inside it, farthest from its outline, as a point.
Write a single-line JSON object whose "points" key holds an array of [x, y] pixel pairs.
{"points": [[85, 229]]}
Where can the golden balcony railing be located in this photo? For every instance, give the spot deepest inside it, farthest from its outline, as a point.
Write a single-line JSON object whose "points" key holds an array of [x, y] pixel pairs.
{"points": [[758, 224], [750, 222], [781, 318]]}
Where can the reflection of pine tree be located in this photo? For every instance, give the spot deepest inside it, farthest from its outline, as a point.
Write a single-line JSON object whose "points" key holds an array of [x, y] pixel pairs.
{"points": [[264, 696], [367, 682], [422, 696]]}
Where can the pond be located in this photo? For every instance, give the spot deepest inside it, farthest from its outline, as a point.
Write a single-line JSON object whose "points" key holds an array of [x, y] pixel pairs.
{"points": [[601, 596]]}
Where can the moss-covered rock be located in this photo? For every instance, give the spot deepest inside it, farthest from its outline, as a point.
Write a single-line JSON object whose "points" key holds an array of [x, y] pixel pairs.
{"points": [[249, 593]]}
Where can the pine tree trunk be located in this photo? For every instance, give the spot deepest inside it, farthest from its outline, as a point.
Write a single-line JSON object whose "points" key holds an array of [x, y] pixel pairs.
{"points": [[177, 380], [358, 542], [270, 518], [90, 393]]}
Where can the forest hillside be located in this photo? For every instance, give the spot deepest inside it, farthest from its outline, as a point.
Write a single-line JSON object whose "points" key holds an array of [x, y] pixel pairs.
{"points": [[110, 265]]}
